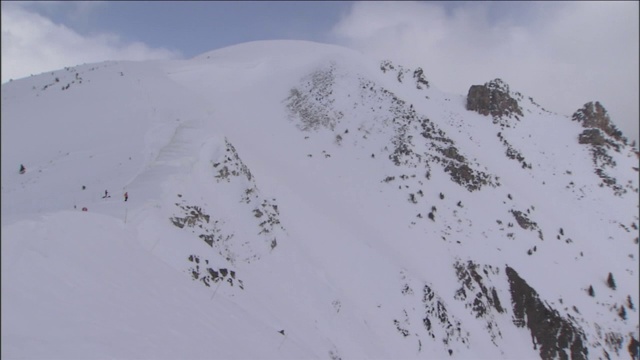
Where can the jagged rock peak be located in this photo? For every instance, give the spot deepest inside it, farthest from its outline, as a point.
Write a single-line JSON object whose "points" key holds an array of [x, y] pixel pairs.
{"points": [[594, 116], [493, 98]]}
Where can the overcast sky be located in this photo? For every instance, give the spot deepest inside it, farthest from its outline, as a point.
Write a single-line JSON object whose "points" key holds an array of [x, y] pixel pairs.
{"points": [[563, 54]]}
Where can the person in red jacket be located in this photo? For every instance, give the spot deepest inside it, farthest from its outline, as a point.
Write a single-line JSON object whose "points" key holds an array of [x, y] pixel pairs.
{"points": [[126, 196]]}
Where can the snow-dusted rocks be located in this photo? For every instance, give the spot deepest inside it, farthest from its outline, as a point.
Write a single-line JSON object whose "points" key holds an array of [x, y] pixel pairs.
{"points": [[604, 140], [594, 116], [400, 72], [312, 203]]}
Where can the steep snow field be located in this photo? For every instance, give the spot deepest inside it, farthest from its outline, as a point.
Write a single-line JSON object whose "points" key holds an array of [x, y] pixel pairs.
{"points": [[267, 219]]}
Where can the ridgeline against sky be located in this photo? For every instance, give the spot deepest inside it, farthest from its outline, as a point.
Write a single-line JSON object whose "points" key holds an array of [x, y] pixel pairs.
{"points": [[564, 54], [290, 199]]}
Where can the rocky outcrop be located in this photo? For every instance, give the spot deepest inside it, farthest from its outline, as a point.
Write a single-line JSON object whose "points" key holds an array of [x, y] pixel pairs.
{"points": [[442, 149], [594, 116], [425, 317], [232, 175], [231, 166], [203, 272], [478, 295], [193, 219], [524, 221], [592, 137], [312, 106], [514, 154], [264, 210], [493, 98], [421, 81], [553, 336], [400, 71], [602, 136]]}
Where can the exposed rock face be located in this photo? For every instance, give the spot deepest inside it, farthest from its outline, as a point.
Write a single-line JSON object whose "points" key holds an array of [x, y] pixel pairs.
{"points": [[524, 221], [602, 136], [594, 116], [633, 348], [315, 104], [592, 136], [554, 336], [207, 275], [493, 98]]}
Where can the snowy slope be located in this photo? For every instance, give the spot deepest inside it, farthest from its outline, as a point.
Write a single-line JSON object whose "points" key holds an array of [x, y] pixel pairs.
{"points": [[312, 203]]}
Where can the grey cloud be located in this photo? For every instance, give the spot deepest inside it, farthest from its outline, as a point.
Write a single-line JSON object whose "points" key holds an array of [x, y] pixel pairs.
{"points": [[562, 54], [32, 44]]}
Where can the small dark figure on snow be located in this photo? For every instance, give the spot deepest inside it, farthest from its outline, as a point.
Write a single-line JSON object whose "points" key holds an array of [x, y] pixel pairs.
{"points": [[22, 169], [106, 194], [126, 196]]}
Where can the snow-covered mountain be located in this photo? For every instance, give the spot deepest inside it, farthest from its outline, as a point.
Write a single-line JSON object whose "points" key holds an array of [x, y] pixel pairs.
{"points": [[295, 200]]}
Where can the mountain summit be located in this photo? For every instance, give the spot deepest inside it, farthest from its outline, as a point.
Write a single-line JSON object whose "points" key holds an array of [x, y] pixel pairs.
{"points": [[289, 199]]}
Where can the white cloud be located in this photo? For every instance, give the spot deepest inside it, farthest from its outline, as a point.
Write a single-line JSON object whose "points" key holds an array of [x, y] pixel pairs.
{"points": [[562, 54], [32, 44]]}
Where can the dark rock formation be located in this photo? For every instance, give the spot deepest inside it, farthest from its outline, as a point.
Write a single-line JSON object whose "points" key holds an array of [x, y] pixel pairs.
{"points": [[194, 215], [592, 137], [478, 295], [312, 105], [464, 175], [429, 310], [601, 136], [633, 347], [421, 81], [209, 275], [524, 221], [594, 116], [493, 98], [514, 154], [201, 224], [472, 282], [554, 336]]}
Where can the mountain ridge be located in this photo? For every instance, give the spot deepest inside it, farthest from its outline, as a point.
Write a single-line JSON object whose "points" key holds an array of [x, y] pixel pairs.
{"points": [[333, 171]]}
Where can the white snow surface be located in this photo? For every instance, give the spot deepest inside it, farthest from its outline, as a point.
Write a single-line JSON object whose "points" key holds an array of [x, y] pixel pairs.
{"points": [[328, 259]]}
